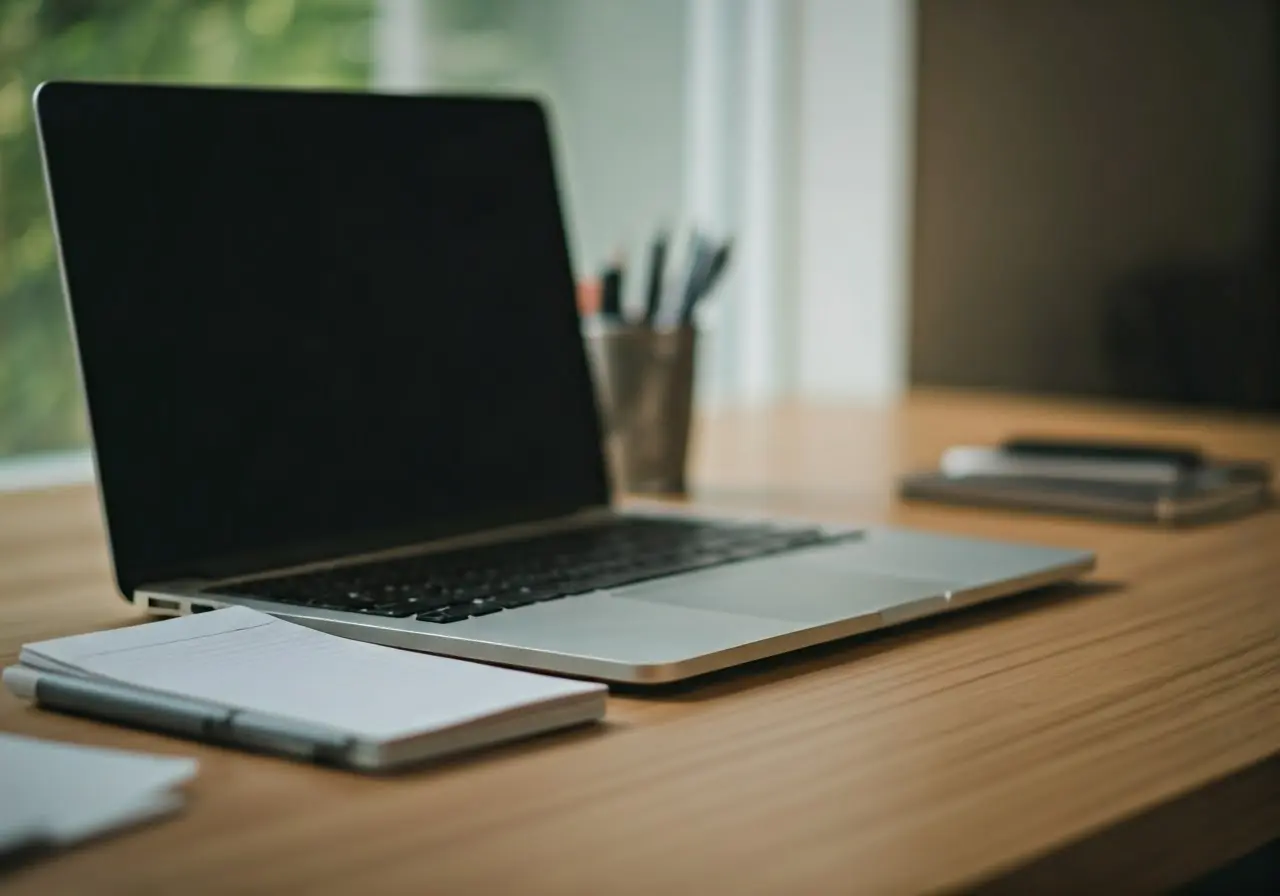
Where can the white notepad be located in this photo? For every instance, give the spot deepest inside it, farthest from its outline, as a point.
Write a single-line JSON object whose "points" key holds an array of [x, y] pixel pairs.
{"points": [[273, 684]]}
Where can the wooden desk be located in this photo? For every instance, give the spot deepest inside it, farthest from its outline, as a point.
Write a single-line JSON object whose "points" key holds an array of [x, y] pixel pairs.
{"points": [[1127, 734]]}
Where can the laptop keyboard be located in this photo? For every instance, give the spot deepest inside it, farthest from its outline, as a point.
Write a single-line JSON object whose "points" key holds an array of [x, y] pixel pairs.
{"points": [[455, 585]]}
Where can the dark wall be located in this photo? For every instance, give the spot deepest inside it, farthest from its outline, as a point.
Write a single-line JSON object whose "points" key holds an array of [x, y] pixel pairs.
{"points": [[1096, 198]]}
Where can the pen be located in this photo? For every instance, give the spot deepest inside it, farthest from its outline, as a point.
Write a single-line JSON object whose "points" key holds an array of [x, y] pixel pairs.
{"points": [[699, 262], [1184, 457], [197, 719], [657, 269], [719, 261], [611, 292]]}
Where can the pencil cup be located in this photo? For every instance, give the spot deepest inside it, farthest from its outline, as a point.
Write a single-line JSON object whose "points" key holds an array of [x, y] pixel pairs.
{"points": [[644, 380]]}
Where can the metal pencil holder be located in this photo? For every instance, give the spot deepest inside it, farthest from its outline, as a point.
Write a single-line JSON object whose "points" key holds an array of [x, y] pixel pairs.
{"points": [[644, 382]]}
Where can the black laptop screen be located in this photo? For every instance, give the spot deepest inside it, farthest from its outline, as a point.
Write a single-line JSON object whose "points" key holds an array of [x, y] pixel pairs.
{"points": [[315, 322]]}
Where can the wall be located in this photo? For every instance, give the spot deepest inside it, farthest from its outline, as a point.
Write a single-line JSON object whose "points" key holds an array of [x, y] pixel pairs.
{"points": [[855, 96], [1061, 145], [613, 73], [785, 125], [799, 139], [617, 77]]}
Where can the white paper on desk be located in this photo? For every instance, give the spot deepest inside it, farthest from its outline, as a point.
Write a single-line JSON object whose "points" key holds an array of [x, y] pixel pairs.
{"points": [[238, 657], [64, 793]]}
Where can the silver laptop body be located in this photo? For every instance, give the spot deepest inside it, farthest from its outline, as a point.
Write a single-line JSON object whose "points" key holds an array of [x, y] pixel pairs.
{"points": [[683, 625], [318, 331]]}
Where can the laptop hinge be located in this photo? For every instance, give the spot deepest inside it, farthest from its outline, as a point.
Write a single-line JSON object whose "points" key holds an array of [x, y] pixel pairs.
{"points": [[589, 516]]}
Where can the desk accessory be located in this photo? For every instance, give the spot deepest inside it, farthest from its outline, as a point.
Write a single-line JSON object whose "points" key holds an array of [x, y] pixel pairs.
{"points": [[246, 679], [644, 369], [1161, 484], [644, 377]]}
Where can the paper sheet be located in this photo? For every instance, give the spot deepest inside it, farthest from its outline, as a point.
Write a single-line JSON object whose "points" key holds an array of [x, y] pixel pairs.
{"points": [[63, 793], [241, 658]]}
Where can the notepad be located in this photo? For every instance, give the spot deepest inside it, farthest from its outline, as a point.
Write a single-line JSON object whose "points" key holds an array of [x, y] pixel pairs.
{"points": [[55, 794], [262, 679]]}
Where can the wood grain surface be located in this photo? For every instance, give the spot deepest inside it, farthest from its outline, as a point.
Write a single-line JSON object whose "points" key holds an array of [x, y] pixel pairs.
{"points": [[1123, 735]]}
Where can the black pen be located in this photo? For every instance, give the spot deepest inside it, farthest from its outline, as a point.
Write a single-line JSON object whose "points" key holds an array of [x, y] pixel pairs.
{"points": [[611, 292], [699, 262], [657, 270], [716, 267], [1184, 457]]}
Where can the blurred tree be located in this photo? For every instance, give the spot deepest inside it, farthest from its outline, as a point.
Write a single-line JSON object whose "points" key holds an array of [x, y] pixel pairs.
{"points": [[308, 42]]}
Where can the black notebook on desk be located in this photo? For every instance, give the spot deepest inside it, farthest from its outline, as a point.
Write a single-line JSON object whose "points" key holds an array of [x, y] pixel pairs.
{"points": [[1101, 480]]}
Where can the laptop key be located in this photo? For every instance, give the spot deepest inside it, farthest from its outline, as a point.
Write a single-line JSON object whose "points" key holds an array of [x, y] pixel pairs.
{"points": [[522, 597], [471, 592], [396, 612], [423, 602], [448, 614], [484, 608]]}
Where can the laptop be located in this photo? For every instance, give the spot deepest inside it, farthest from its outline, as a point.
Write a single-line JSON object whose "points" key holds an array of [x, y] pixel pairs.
{"points": [[334, 372]]}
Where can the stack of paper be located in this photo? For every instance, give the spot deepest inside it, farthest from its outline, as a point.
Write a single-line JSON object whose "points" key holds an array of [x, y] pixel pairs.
{"points": [[54, 794]]}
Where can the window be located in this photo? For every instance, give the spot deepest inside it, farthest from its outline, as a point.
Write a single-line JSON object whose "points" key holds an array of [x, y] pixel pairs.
{"points": [[739, 117], [317, 42]]}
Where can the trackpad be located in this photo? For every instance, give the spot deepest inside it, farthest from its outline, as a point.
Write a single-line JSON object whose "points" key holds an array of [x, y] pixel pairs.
{"points": [[810, 587]]}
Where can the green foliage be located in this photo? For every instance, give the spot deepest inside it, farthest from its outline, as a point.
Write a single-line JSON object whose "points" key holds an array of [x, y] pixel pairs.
{"points": [[301, 42]]}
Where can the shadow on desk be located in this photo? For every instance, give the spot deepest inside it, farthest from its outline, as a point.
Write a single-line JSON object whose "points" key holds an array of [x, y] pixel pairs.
{"points": [[715, 685], [1137, 850]]}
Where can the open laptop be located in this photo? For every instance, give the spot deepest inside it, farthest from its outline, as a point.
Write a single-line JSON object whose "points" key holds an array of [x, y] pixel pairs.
{"points": [[334, 372]]}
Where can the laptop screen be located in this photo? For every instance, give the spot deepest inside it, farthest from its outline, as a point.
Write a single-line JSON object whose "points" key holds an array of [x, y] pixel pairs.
{"points": [[316, 323]]}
